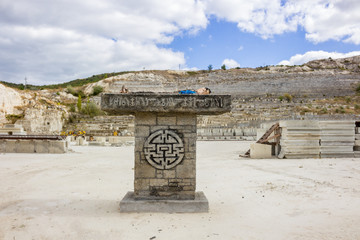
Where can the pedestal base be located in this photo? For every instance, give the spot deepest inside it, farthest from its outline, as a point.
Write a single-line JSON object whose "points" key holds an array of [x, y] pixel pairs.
{"points": [[199, 204]]}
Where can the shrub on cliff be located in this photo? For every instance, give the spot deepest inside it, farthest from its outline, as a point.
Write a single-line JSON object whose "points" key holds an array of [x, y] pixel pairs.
{"points": [[91, 109], [97, 90]]}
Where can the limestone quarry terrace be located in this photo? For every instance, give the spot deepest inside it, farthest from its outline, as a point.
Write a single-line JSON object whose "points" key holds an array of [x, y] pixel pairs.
{"points": [[322, 89]]}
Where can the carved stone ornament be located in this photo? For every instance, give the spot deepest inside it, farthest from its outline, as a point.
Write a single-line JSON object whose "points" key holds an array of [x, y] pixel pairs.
{"points": [[164, 149]]}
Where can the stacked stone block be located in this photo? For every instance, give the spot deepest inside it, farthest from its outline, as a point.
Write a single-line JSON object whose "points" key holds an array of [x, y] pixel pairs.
{"points": [[300, 139], [33, 146], [158, 182], [357, 142], [12, 129], [337, 139]]}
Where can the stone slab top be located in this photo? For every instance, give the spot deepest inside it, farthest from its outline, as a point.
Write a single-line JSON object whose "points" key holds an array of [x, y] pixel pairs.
{"points": [[130, 103]]}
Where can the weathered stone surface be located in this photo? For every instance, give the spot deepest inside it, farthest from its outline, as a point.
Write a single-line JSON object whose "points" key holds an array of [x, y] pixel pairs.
{"points": [[165, 143], [130, 204], [41, 146], [260, 151], [162, 156], [165, 102], [25, 146]]}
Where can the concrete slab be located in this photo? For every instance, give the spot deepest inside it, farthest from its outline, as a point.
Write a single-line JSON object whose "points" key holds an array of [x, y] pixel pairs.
{"points": [[129, 205], [41, 146], [57, 146], [25, 146], [260, 151]]}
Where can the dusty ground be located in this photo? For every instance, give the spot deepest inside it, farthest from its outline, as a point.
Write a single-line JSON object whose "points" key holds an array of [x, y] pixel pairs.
{"points": [[76, 196]]}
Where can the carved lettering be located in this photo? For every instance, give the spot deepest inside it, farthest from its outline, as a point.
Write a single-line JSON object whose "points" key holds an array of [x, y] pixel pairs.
{"points": [[191, 102]]}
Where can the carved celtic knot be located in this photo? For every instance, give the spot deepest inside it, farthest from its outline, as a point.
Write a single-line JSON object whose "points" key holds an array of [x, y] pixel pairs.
{"points": [[164, 149]]}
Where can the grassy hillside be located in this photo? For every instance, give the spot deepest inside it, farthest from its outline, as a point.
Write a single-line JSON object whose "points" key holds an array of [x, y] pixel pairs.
{"points": [[73, 83]]}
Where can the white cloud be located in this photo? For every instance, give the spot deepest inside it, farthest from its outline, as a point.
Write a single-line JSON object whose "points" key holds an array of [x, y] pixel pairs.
{"points": [[58, 41], [321, 20], [230, 63], [300, 59], [241, 48]]}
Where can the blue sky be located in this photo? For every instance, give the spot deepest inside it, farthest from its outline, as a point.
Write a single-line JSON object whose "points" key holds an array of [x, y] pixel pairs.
{"points": [[62, 40], [223, 40]]}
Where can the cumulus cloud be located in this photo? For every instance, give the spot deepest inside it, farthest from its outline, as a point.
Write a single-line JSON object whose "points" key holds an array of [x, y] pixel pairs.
{"points": [[230, 63], [57, 41], [300, 59], [321, 20]]}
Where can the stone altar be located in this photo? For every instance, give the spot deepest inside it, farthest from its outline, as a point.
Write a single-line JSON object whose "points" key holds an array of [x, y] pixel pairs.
{"points": [[165, 148]]}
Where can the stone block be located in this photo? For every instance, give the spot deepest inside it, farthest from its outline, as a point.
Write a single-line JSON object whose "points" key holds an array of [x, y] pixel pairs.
{"points": [[42, 146], [357, 143], [285, 142], [166, 120], [260, 151], [80, 141], [239, 132], [141, 184], [336, 143], [142, 131], [336, 149], [357, 136], [2, 145], [186, 170], [57, 147], [10, 146], [25, 146], [158, 182], [144, 170], [186, 119], [100, 139], [130, 204], [96, 144], [165, 103], [169, 174], [145, 118], [299, 124]]}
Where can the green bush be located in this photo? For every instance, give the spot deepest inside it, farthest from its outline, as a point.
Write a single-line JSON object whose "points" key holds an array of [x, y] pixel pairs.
{"points": [[288, 97], [223, 67], [14, 117], [91, 109], [71, 90], [97, 90], [79, 103]]}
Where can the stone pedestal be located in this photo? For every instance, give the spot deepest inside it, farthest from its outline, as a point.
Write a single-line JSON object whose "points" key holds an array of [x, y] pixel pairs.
{"points": [[165, 148]]}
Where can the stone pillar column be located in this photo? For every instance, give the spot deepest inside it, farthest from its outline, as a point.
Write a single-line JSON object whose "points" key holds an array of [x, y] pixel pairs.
{"points": [[165, 156], [165, 148]]}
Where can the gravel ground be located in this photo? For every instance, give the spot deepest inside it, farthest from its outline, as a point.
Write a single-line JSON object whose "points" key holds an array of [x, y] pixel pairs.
{"points": [[76, 196]]}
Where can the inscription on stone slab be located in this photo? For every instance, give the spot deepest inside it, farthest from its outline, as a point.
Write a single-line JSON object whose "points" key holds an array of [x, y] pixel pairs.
{"points": [[164, 149], [138, 102]]}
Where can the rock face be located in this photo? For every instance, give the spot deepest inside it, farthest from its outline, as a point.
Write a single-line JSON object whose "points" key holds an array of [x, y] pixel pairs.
{"points": [[9, 99], [42, 121], [38, 114]]}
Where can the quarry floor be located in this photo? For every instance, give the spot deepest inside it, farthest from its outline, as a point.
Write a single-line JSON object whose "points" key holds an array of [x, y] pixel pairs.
{"points": [[76, 196]]}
